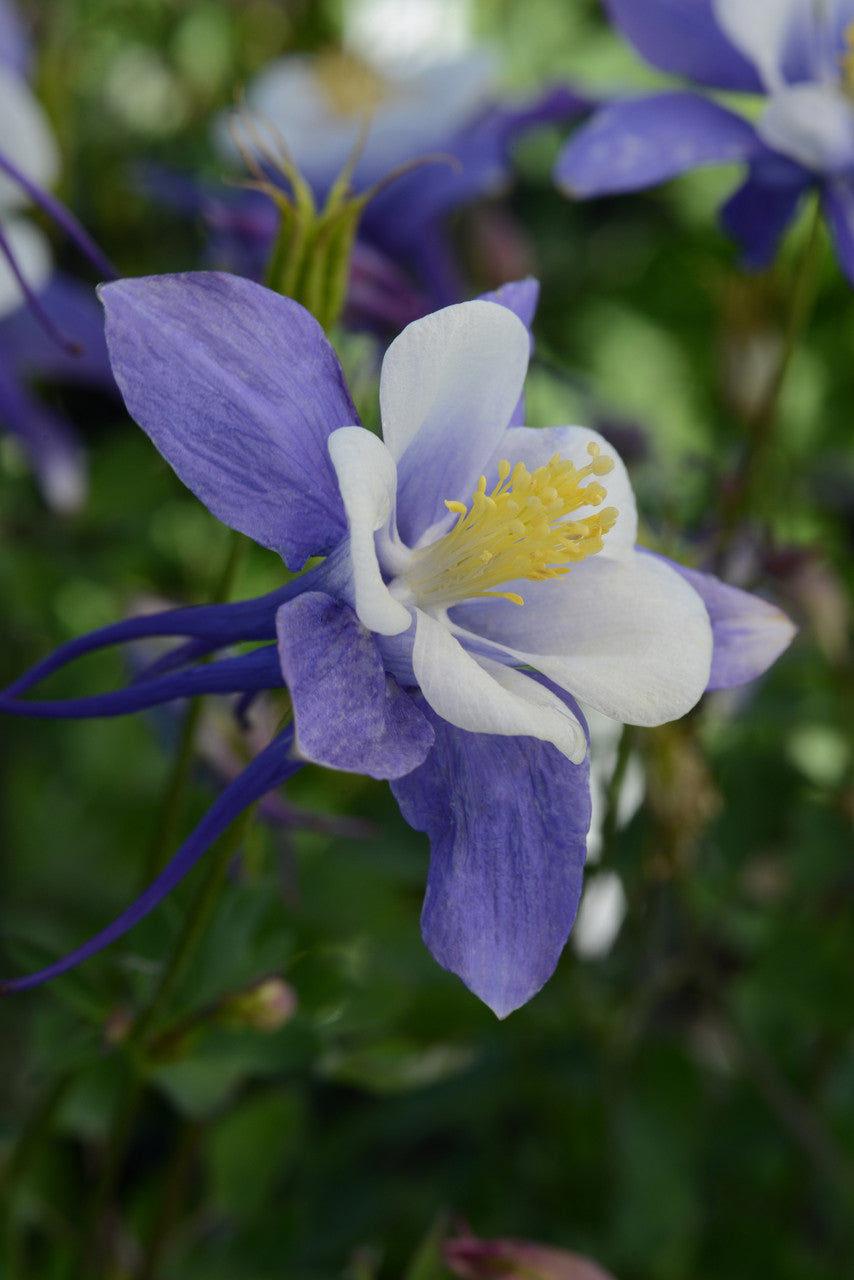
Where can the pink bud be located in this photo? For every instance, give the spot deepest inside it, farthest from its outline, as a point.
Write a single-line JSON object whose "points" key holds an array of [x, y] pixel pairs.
{"points": [[474, 1259]]}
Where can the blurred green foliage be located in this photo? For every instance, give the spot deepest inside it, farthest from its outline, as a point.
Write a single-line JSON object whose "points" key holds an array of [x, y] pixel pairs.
{"points": [[681, 1109]]}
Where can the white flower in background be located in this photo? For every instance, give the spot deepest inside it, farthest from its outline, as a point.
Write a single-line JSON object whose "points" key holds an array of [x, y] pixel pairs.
{"points": [[27, 142]]}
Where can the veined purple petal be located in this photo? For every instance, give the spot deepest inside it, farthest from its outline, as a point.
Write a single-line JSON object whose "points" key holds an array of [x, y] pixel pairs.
{"points": [[248, 671], [270, 768], [748, 633], [507, 820], [683, 37], [760, 210], [349, 714], [637, 142], [838, 199], [244, 411]]}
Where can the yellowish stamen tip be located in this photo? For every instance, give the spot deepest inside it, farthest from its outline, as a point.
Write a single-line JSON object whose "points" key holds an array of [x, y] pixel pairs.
{"points": [[519, 530], [351, 86]]}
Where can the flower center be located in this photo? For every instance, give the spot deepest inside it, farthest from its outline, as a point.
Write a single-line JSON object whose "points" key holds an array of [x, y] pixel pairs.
{"points": [[519, 530], [351, 86]]}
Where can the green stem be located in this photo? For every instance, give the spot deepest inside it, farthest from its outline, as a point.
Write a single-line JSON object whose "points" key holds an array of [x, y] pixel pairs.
{"points": [[752, 490], [30, 1138], [195, 923]]}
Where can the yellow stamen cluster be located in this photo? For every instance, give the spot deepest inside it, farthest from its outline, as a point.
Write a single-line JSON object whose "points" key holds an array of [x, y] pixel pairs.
{"points": [[846, 61], [519, 530], [350, 85]]}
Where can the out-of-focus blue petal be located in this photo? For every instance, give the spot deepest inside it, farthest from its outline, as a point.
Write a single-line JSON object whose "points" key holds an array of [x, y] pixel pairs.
{"points": [[838, 199], [270, 768], [637, 142], [49, 442], [249, 671], [507, 820], [749, 633], [243, 416], [349, 714], [73, 308], [14, 44], [760, 210], [683, 37]]}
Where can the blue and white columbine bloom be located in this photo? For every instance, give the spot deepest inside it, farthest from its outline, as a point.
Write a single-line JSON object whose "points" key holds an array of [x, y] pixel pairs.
{"points": [[798, 53], [479, 577]]}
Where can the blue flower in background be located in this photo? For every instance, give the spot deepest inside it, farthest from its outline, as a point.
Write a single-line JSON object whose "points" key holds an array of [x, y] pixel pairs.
{"points": [[329, 105], [50, 325], [798, 53], [478, 578]]}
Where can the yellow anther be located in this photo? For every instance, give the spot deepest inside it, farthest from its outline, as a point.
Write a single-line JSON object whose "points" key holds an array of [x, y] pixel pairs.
{"points": [[350, 85], [520, 529]]}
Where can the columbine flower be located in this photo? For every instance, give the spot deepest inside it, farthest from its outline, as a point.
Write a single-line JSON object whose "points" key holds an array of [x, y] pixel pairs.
{"points": [[37, 307], [479, 576], [798, 52]]}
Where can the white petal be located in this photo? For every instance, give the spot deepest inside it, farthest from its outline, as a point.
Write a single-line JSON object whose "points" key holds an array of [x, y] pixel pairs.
{"points": [[448, 388], [367, 478], [483, 696], [27, 139], [31, 252], [600, 916], [535, 447], [760, 29], [624, 636], [812, 123]]}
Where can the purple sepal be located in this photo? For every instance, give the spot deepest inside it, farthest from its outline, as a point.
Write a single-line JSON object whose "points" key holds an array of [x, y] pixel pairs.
{"points": [[270, 768], [349, 714], [256, 670], [637, 142], [244, 415], [763, 206], [749, 633], [683, 37], [838, 199], [507, 820]]}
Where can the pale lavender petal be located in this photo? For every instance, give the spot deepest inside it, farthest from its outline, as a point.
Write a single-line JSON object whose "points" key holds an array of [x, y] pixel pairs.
{"points": [[450, 383], [748, 633], [49, 442], [683, 37], [349, 714], [507, 820], [274, 764], [638, 142], [239, 389], [14, 43]]}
